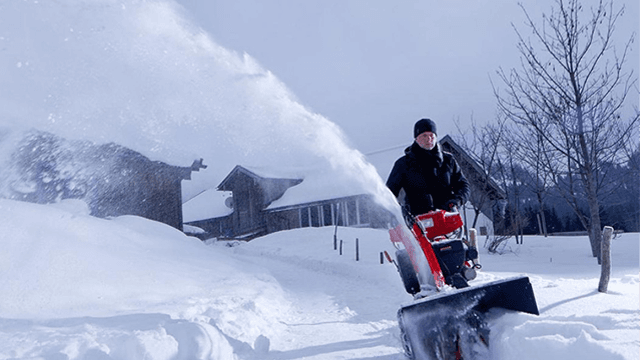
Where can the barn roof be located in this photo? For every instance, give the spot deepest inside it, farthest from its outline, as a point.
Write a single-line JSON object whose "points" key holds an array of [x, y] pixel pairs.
{"points": [[273, 187], [472, 170]]}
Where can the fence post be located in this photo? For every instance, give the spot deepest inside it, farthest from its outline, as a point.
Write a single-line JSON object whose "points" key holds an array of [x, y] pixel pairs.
{"points": [[340, 246], [473, 241], [605, 255], [540, 224], [357, 249]]}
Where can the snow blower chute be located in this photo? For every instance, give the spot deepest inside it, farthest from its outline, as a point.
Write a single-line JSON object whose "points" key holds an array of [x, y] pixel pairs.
{"points": [[446, 321]]}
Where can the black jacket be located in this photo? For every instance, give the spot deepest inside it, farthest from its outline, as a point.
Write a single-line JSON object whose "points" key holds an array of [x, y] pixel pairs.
{"points": [[430, 178]]}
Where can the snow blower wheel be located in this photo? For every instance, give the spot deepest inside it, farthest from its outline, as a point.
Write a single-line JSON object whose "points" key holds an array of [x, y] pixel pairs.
{"points": [[407, 273]]}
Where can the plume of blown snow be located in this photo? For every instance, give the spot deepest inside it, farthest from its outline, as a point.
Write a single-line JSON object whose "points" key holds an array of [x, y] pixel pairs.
{"points": [[143, 75]]}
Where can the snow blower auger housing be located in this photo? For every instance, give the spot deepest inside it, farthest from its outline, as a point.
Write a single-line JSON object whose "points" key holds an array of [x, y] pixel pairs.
{"points": [[436, 264]]}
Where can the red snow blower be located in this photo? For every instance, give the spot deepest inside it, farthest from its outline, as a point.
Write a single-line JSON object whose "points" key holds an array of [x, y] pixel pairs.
{"points": [[436, 264]]}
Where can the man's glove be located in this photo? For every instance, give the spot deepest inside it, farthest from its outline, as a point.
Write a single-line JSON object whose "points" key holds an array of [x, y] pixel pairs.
{"points": [[451, 205]]}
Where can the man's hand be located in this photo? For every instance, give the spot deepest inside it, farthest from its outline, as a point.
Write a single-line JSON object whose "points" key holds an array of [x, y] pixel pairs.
{"points": [[451, 206]]}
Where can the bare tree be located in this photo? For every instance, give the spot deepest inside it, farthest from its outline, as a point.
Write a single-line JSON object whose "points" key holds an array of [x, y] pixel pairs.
{"points": [[511, 174], [526, 147], [571, 91], [483, 149], [539, 177]]}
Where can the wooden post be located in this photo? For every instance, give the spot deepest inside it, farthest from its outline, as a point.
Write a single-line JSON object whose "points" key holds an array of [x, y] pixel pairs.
{"points": [[381, 257], [335, 238], [540, 225], [357, 249], [605, 255], [473, 241], [340, 247]]}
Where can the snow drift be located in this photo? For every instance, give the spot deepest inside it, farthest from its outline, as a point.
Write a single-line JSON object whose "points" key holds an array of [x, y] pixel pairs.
{"points": [[78, 287]]}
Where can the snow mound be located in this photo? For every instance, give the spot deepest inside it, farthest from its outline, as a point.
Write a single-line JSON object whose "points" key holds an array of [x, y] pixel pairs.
{"points": [[79, 287], [127, 287]]}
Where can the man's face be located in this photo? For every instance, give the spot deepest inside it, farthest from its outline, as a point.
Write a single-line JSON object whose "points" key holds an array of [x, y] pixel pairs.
{"points": [[427, 140]]}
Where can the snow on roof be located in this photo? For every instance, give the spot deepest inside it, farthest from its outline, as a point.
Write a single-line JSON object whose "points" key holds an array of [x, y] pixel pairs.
{"points": [[317, 185], [270, 172], [207, 205]]}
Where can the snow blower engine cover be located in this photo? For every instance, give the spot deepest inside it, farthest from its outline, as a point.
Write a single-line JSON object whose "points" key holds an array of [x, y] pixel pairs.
{"points": [[439, 222]]}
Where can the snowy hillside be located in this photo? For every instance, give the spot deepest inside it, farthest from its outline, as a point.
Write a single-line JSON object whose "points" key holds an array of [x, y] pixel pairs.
{"points": [[78, 287]]}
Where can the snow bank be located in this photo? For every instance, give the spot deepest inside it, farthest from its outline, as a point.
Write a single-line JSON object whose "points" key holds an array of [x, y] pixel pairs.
{"points": [[125, 288], [78, 287], [576, 321]]}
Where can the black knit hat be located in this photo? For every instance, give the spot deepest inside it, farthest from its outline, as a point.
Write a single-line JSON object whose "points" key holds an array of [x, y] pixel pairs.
{"points": [[424, 125]]}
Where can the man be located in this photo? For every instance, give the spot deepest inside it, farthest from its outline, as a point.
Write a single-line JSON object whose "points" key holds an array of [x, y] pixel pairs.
{"points": [[431, 179]]}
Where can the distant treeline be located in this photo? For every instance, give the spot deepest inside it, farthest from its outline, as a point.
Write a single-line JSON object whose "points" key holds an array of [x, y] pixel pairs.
{"points": [[620, 203]]}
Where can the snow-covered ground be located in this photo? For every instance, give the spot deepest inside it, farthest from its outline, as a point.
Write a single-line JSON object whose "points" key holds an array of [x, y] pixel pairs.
{"points": [[79, 287], [140, 74]]}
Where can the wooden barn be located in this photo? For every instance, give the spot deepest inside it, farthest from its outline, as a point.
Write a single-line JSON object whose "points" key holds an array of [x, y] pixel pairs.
{"points": [[258, 208], [110, 178]]}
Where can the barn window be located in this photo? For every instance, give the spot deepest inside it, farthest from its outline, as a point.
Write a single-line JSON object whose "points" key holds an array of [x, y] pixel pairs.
{"points": [[304, 217], [352, 212], [363, 212], [483, 230], [339, 210], [327, 214], [315, 217]]}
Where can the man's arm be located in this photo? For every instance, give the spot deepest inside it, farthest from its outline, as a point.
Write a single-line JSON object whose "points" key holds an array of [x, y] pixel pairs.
{"points": [[394, 182]]}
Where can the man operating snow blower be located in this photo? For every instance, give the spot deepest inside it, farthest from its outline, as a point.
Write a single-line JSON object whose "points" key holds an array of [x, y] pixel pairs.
{"points": [[431, 179], [436, 262]]}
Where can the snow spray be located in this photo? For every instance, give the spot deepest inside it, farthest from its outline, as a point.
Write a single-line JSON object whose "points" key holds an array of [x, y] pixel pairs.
{"points": [[141, 75]]}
